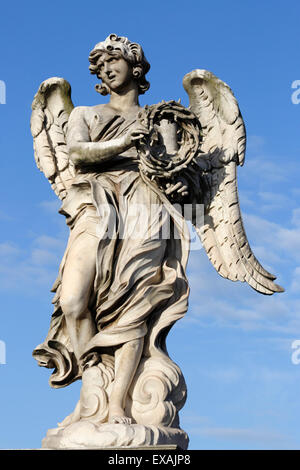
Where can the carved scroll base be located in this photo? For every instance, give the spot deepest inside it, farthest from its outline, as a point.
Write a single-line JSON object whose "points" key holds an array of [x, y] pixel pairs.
{"points": [[157, 393], [87, 435]]}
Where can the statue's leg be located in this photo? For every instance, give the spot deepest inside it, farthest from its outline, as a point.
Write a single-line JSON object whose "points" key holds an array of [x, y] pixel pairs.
{"points": [[127, 358], [138, 257], [77, 281]]}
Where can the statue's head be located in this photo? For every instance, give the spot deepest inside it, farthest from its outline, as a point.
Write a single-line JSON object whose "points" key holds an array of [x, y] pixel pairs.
{"points": [[132, 52]]}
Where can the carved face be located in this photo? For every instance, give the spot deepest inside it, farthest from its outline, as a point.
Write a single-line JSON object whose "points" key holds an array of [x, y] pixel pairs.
{"points": [[115, 72]]}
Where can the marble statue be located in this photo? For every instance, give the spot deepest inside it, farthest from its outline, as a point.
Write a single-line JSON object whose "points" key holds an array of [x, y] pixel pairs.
{"points": [[124, 175]]}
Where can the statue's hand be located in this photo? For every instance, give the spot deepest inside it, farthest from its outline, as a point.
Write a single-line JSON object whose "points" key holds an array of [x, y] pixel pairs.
{"points": [[180, 187], [135, 134]]}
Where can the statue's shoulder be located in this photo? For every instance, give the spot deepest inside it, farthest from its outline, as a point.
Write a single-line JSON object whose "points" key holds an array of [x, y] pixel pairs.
{"points": [[88, 113], [80, 112], [83, 115]]}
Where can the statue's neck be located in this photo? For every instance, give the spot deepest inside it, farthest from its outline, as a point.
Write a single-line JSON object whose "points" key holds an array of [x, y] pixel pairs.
{"points": [[125, 100]]}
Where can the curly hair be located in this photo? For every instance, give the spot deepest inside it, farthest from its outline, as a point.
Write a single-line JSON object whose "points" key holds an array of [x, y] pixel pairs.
{"points": [[132, 52]]}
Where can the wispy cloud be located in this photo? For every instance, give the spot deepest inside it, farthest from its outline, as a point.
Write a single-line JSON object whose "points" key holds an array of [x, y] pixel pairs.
{"points": [[28, 264], [248, 435], [264, 375], [215, 301], [4, 216], [258, 436], [266, 171], [24, 269], [239, 307], [47, 250], [270, 234], [255, 142], [51, 206], [295, 285], [296, 217], [270, 201], [8, 249], [224, 375]]}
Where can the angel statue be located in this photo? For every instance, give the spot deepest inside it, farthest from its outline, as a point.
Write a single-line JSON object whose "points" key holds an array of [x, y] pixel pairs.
{"points": [[125, 174]]}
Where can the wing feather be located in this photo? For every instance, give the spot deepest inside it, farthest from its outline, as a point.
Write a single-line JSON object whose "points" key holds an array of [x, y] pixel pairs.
{"points": [[51, 109], [224, 142]]}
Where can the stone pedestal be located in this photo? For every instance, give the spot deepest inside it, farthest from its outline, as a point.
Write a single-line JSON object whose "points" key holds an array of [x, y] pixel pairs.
{"points": [[87, 435]]}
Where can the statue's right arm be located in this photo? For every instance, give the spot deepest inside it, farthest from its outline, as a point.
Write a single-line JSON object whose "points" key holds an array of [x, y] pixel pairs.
{"points": [[81, 150]]}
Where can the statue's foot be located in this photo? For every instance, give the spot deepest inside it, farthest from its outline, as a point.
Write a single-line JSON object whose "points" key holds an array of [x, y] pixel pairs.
{"points": [[117, 416], [120, 420]]}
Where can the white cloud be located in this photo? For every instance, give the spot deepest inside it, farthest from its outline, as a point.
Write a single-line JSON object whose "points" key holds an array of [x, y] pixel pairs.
{"points": [[255, 142], [26, 269], [258, 436], [215, 301], [269, 180], [274, 236], [295, 286], [4, 216], [295, 191], [296, 217], [43, 257], [265, 171], [8, 249], [270, 200], [51, 206], [47, 250], [253, 373], [266, 201], [237, 308], [247, 199], [267, 256], [225, 375]]}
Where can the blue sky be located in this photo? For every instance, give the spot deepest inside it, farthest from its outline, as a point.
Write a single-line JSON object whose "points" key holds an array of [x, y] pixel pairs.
{"points": [[234, 345]]}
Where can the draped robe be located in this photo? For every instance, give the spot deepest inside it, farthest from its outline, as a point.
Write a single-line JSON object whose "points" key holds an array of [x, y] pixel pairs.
{"points": [[140, 288]]}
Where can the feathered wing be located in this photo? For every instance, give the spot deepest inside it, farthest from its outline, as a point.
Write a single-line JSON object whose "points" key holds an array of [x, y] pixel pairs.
{"points": [[51, 109], [223, 145]]}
